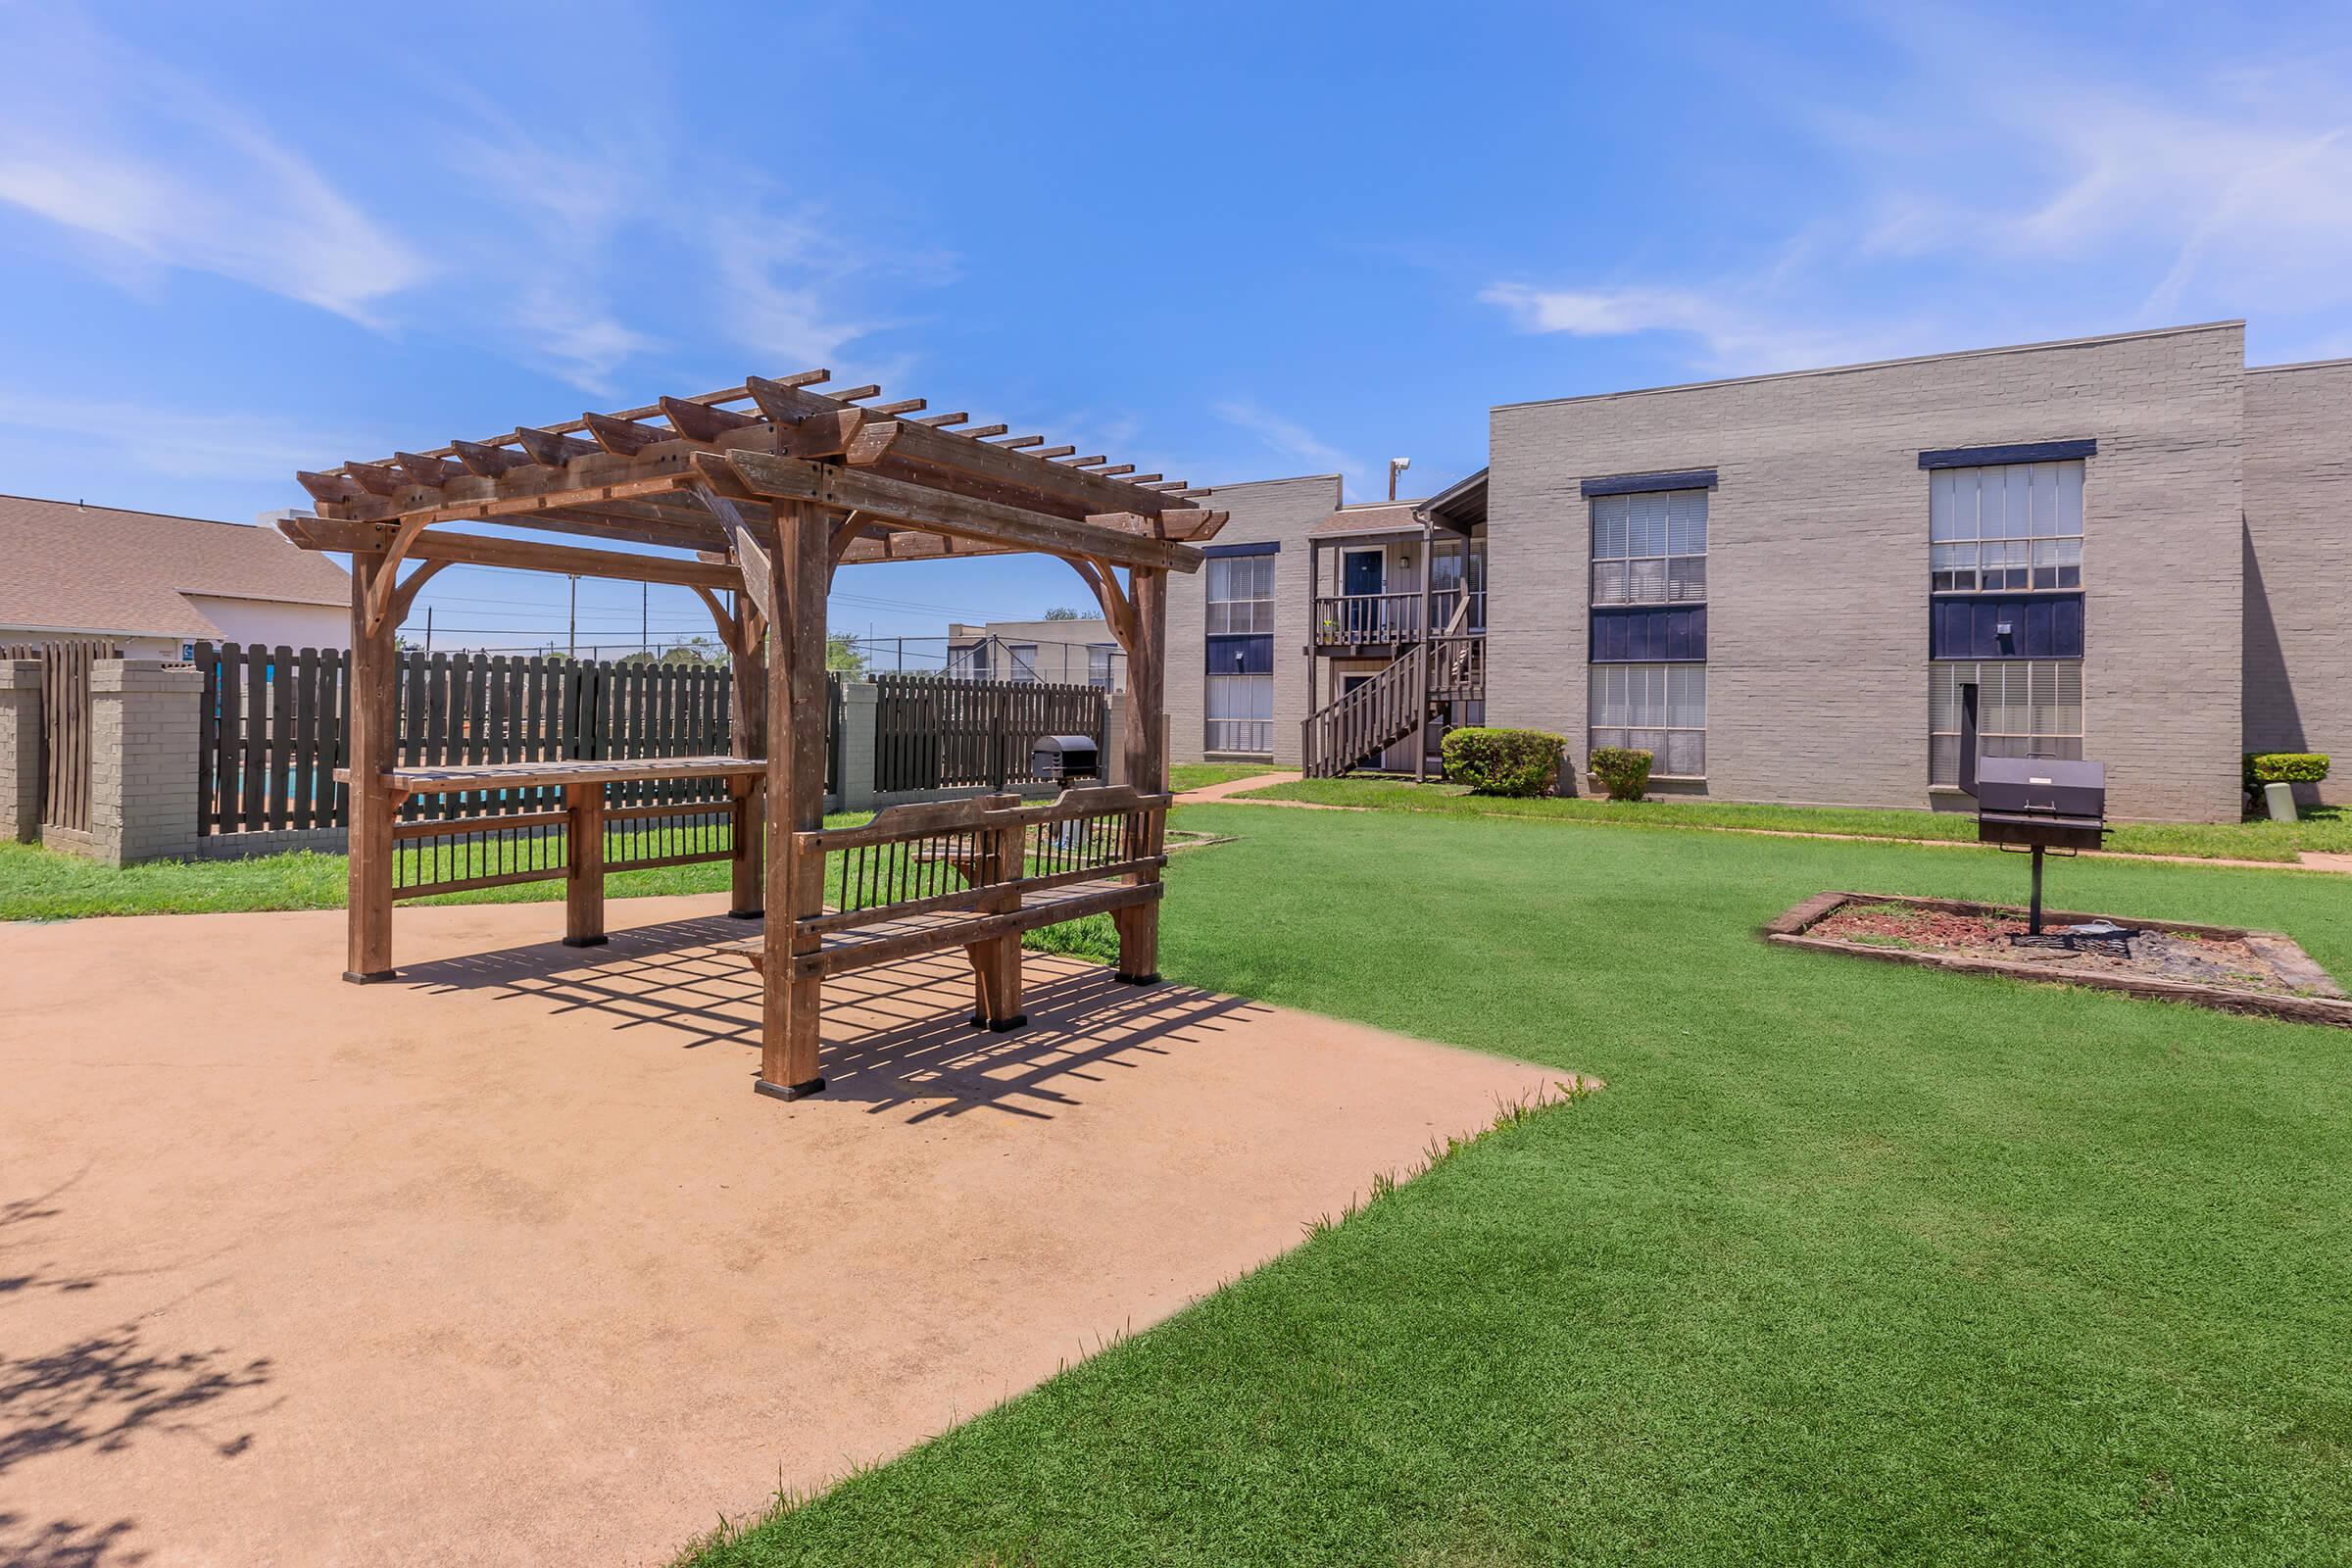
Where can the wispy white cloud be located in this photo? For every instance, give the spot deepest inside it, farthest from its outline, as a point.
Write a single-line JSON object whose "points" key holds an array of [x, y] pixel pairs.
{"points": [[2235, 182], [1291, 440], [543, 235], [2028, 202], [1737, 330], [157, 171], [176, 443]]}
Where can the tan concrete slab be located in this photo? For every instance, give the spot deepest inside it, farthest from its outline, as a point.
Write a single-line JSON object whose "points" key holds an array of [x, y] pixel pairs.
{"points": [[505, 1262]]}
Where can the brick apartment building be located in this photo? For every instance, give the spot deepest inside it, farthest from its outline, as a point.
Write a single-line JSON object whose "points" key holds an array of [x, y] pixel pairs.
{"points": [[2139, 548]]}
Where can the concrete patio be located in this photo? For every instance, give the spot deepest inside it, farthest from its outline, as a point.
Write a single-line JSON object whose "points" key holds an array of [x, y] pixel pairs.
{"points": [[520, 1270]]}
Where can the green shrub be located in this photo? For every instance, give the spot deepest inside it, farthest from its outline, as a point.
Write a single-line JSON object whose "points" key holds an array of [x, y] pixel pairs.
{"points": [[2285, 767], [1623, 771], [1504, 762]]}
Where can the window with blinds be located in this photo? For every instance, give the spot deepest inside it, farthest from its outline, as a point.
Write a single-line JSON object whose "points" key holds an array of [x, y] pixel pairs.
{"points": [[1658, 709], [1240, 595], [1240, 655], [2025, 708], [1650, 548], [2009, 528], [1240, 715]]}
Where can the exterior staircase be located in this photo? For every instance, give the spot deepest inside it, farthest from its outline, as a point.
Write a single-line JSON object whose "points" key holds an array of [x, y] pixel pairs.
{"points": [[1397, 701]]}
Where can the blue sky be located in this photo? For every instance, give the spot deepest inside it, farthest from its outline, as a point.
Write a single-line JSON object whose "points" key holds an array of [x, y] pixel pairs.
{"points": [[1223, 241]]}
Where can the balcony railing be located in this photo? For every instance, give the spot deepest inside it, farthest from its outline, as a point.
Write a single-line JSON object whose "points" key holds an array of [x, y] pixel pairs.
{"points": [[1347, 619]]}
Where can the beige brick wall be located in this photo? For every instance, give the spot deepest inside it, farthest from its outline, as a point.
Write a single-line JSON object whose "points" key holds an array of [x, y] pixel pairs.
{"points": [[1818, 569], [2298, 566], [19, 750], [143, 718], [1278, 509]]}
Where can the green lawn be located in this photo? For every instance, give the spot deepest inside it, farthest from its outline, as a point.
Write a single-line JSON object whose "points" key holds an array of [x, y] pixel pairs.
{"points": [[1850, 1263], [1200, 775], [2326, 828]]}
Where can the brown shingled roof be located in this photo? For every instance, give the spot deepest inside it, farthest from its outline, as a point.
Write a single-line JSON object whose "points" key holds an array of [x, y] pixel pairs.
{"points": [[1372, 517], [71, 568]]}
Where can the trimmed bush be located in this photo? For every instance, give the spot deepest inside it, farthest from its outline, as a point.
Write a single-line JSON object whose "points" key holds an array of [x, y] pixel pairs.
{"points": [[2285, 767], [1504, 762], [1623, 771]]}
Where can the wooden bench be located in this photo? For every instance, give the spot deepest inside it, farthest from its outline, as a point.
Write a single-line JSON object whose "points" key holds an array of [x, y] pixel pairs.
{"points": [[977, 874], [495, 849]]}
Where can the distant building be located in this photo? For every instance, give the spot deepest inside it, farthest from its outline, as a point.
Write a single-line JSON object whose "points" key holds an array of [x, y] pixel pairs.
{"points": [[2135, 547], [159, 584], [1058, 652]]}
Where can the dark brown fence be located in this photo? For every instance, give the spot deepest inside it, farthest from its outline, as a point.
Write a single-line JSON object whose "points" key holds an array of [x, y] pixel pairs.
{"points": [[931, 733], [65, 726], [273, 730]]}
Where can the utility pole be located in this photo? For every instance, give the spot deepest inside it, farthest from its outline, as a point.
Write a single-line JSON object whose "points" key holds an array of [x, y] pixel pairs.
{"points": [[645, 598], [571, 629], [429, 628]]}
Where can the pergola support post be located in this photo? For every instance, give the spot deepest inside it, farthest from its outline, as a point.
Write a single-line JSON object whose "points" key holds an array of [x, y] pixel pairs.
{"points": [[800, 569], [374, 733], [1145, 748], [746, 731], [584, 852]]}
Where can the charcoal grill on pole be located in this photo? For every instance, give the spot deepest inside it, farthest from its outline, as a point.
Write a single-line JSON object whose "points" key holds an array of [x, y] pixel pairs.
{"points": [[2034, 805], [1057, 758]]}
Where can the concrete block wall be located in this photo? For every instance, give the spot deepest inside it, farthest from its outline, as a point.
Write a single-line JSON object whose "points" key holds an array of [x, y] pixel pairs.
{"points": [[143, 715], [19, 750], [2297, 546], [1276, 510], [1817, 685]]}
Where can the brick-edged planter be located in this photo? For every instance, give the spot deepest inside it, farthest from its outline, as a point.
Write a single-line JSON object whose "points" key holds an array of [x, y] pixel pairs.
{"points": [[2321, 1000]]}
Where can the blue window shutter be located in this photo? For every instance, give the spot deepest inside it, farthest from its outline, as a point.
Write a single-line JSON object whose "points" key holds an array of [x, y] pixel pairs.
{"points": [[1649, 636], [1240, 656], [2041, 626]]}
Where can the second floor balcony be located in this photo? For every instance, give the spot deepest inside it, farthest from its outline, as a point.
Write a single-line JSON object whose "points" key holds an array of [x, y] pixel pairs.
{"points": [[1387, 619]]}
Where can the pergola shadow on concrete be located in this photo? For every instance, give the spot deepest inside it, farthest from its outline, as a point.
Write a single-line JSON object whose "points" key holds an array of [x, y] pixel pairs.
{"points": [[752, 497]]}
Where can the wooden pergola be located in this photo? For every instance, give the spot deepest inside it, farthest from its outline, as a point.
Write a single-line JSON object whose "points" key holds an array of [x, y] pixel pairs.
{"points": [[752, 497]]}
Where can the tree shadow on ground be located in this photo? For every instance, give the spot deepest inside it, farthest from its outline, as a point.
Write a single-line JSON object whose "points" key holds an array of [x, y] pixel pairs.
{"points": [[103, 1390]]}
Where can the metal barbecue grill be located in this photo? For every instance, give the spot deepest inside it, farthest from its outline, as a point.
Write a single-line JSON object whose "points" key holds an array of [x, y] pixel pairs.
{"points": [[1057, 758], [2034, 804]]}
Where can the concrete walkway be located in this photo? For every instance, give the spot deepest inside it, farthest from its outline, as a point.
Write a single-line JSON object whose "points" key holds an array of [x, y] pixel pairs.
{"points": [[505, 1263], [1235, 786]]}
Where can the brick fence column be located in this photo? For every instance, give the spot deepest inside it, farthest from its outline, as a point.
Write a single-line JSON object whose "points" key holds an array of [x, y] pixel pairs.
{"points": [[19, 750], [857, 722], [143, 716]]}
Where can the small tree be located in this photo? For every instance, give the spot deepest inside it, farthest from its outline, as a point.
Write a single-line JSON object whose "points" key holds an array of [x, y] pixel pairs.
{"points": [[694, 651], [1063, 613], [843, 655]]}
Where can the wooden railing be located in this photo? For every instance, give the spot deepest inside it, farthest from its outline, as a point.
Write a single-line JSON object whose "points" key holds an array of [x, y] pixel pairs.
{"points": [[1449, 608], [1458, 668], [981, 855], [1343, 619]]}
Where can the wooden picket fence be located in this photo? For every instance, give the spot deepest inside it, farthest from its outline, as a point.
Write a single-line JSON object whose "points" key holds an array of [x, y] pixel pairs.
{"points": [[274, 729], [65, 725], [931, 733]]}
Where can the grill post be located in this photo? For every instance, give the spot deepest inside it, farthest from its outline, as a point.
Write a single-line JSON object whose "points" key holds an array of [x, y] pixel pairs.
{"points": [[2034, 910]]}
